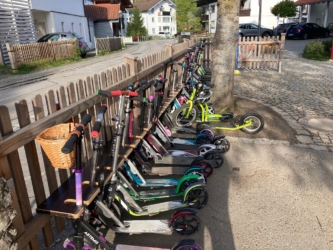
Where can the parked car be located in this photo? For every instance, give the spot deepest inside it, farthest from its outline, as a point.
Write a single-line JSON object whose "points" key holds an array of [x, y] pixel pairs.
{"points": [[63, 36], [251, 29], [163, 34], [307, 30], [282, 28]]}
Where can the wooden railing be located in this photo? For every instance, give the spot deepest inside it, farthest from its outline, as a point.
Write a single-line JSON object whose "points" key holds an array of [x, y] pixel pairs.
{"points": [[108, 44], [261, 53], [20, 154], [52, 51]]}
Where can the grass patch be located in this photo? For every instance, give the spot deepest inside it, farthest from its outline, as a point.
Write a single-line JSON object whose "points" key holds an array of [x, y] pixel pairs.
{"points": [[318, 50], [5, 69], [43, 64]]}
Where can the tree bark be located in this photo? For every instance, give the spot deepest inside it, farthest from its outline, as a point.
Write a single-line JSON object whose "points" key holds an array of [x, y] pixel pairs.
{"points": [[223, 54]]}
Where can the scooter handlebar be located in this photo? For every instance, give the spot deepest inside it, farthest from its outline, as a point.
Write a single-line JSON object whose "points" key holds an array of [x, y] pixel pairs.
{"points": [[116, 93]]}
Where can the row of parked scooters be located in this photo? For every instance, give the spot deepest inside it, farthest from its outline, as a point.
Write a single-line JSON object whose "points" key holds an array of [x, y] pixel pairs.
{"points": [[128, 187]]}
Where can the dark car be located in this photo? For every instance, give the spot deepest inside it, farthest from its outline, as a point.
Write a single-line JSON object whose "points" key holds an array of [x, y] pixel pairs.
{"points": [[251, 29], [307, 30], [282, 28], [63, 36]]}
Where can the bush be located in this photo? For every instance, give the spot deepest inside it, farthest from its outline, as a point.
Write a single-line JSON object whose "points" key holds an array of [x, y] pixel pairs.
{"points": [[328, 44], [316, 50]]}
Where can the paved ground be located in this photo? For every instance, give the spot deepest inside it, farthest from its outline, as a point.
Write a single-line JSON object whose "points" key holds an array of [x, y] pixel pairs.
{"points": [[273, 192]]}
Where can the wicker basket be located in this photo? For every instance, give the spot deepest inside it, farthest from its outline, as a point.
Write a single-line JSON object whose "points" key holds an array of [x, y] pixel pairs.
{"points": [[52, 140]]}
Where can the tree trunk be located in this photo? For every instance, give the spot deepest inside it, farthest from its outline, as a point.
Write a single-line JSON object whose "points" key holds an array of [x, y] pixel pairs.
{"points": [[224, 51]]}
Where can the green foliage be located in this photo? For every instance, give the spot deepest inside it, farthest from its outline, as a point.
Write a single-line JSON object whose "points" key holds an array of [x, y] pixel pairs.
{"points": [[316, 51], [286, 8], [136, 25], [187, 15], [5, 69], [328, 44], [44, 64]]}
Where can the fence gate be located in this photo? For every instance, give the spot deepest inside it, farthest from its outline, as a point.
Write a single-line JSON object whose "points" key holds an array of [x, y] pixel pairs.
{"points": [[16, 23]]}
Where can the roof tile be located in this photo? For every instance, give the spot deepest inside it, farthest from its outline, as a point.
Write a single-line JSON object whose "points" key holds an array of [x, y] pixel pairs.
{"points": [[303, 2]]}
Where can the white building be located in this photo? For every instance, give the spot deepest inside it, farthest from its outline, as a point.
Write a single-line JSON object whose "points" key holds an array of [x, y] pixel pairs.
{"points": [[60, 16], [158, 15], [249, 13], [317, 11]]}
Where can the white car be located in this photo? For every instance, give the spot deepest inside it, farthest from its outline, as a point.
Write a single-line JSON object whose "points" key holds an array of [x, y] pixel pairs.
{"points": [[165, 35]]}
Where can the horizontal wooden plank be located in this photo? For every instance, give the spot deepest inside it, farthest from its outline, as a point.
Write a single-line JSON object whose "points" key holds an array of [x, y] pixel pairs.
{"points": [[32, 228], [28, 133]]}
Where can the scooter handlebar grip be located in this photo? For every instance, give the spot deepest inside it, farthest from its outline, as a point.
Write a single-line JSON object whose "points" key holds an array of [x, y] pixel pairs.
{"points": [[140, 84], [103, 109], [96, 129], [103, 93], [86, 119], [132, 94], [69, 145]]}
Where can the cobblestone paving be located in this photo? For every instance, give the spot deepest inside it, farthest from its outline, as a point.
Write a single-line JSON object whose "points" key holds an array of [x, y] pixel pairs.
{"points": [[303, 89]]}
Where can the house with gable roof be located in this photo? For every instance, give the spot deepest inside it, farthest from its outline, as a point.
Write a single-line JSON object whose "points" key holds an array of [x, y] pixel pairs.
{"points": [[158, 16], [106, 18]]}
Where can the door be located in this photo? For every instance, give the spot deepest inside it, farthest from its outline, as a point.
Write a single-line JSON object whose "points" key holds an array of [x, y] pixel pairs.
{"points": [[317, 31], [254, 29], [40, 29]]}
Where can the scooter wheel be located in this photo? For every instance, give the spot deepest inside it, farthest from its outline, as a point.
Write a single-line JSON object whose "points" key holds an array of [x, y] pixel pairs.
{"points": [[216, 159], [186, 244], [202, 126], [207, 167], [179, 116], [185, 223], [202, 139], [257, 123], [197, 172], [208, 132], [197, 197], [222, 144]]}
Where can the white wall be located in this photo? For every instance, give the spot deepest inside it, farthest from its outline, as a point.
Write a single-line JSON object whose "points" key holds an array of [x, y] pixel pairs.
{"points": [[74, 7], [318, 14], [168, 26]]}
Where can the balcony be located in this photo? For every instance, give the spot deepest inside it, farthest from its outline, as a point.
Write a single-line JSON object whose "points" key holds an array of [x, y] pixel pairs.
{"points": [[245, 12], [204, 18]]}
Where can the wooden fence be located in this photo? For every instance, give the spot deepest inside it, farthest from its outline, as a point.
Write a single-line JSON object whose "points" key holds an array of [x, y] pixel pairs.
{"points": [[32, 52], [108, 44], [261, 53], [75, 101]]}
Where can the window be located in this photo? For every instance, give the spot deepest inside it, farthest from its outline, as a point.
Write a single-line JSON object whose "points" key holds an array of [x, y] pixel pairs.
{"points": [[212, 8], [315, 26], [166, 19], [73, 27], [62, 26], [153, 30], [254, 26], [152, 19], [212, 24], [159, 19], [159, 28], [152, 10], [65, 37]]}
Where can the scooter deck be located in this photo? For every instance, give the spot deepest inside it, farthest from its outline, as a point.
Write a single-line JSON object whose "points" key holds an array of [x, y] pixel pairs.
{"points": [[158, 193], [144, 226], [162, 207], [159, 183], [183, 158]]}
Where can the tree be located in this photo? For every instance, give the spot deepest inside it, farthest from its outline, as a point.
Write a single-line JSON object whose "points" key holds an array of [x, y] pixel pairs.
{"points": [[187, 15], [224, 59], [136, 25], [286, 8]]}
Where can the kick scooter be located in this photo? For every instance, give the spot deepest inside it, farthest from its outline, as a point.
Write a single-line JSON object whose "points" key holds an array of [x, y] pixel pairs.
{"points": [[192, 194], [86, 237]]}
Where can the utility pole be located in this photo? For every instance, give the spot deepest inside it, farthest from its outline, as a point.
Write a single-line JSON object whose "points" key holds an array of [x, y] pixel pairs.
{"points": [[259, 22]]}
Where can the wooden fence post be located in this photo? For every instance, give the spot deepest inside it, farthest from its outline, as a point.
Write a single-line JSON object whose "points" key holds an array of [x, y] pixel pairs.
{"points": [[133, 64], [11, 56], [170, 49], [2, 62], [52, 50], [283, 40], [96, 48]]}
